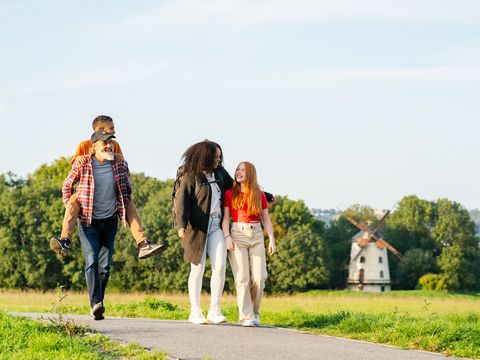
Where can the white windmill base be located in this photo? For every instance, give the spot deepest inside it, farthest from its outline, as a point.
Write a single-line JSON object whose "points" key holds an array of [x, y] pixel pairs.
{"points": [[369, 287]]}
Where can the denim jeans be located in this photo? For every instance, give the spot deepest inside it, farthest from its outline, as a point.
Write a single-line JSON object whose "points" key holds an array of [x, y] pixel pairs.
{"points": [[98, 243]]}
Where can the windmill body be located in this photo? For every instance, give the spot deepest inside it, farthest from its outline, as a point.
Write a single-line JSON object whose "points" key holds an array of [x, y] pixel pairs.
{"points": [[368, 269]]}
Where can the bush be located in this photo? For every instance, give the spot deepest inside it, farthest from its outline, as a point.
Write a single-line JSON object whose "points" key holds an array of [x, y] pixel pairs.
{"points": [[437, 282]]}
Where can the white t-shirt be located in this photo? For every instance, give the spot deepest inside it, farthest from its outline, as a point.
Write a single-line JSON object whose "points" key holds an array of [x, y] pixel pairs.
{"points": [[215, 206]]}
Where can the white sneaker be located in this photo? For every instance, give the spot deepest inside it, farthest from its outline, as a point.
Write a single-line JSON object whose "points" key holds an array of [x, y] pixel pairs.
{"points": [[248, 323], [256, 321], [215, 315], [196, 317]]}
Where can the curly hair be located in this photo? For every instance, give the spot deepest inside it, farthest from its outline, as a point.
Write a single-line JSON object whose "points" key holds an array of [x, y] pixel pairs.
{"points": [[200, 157]]}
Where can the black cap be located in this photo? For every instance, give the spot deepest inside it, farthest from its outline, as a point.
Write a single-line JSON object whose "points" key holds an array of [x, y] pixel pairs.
{"points": [[101, 135]]}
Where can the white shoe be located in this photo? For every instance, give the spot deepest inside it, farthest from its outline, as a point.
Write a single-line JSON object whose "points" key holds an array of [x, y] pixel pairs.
{"points": [[196, 317], [215, 315], [248, 323], [256, 321]]}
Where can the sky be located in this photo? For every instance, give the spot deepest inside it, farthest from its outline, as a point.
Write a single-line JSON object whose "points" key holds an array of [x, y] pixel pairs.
{"points": [[335, 102]]}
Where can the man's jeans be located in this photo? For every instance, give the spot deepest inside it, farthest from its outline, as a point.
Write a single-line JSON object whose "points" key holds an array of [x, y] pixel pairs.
{"points": [[97, 244]]}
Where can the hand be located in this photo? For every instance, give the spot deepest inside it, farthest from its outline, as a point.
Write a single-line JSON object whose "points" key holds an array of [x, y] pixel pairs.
{"points": [[230, 244], [182, 233], [271, 247], [81, 160], [118, 157]]}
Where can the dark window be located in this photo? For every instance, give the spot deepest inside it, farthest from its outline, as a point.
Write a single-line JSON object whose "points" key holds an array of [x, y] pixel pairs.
{"points": [[362, 259], [381, 274], [380, 260]]}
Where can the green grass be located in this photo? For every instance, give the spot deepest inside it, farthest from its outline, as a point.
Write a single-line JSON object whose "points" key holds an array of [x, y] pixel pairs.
{"points": [[433, 321], [29, 339]]}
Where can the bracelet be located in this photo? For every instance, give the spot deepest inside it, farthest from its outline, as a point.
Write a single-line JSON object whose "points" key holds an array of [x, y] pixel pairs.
{"points": [[226, 236]]}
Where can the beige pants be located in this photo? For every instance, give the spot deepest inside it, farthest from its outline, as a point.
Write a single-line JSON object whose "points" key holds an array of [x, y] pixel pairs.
{"points": [[72, 210], [249, 267]]}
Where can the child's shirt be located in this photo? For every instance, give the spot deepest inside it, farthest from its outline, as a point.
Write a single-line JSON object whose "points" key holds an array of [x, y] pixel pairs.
{"points": [[84, 149], [241, 214]]}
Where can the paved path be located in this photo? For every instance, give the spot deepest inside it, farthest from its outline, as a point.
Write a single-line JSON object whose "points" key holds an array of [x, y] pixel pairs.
{"points": [[182, 340]]}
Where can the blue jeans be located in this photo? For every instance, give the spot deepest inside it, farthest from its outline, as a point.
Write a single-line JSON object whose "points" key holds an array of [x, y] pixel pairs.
{"points": [[98, 243]]}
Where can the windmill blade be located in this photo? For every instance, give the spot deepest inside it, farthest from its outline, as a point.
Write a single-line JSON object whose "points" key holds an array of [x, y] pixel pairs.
{"points": [[381, 223], [382, 244], [361, 225]]}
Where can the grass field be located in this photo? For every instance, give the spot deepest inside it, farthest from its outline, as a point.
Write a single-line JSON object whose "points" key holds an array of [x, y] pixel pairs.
{"points": [[432, 321]]}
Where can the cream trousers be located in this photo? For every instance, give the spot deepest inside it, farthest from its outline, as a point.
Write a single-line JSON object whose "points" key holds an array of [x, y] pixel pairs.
{"points": [[249, 267]]}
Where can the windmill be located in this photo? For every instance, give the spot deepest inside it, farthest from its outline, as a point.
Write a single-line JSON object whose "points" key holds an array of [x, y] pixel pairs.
{"points": [[368, 268]]}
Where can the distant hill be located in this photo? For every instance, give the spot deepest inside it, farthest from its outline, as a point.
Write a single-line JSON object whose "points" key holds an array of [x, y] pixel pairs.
{"points": [[325, 215]]}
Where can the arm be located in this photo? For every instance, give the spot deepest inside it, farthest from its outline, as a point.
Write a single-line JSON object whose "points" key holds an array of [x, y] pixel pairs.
{"points": [[226, 229], [72, 178], [182, 203], [267, 224], [127, 186]]}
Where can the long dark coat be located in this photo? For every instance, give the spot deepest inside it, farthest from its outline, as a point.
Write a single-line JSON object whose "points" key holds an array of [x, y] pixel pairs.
{"points": [[192, 210]]}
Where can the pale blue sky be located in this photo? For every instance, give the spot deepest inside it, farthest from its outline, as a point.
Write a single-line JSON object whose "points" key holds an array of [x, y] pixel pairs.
{"points": [[336, 102]]}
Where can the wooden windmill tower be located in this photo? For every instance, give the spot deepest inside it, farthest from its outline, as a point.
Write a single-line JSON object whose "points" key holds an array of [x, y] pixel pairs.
{"points": [[368, 269]]}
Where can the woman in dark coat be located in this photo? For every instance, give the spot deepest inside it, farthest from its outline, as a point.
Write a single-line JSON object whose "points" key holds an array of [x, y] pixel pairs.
{"points": [[198, 205]]}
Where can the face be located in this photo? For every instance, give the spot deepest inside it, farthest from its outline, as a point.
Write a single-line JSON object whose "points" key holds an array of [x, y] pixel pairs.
{"points": [[104, 150], [108, 127], [240, 173], [218, 158]]}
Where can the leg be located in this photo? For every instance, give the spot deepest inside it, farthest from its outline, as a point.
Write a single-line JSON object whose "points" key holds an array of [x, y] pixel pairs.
{"points": [[195, 282], [239, 260], [134, 222], [217, 251], [72, 209], [258, 269], [90, 241], [146, 249], [107, 244]]}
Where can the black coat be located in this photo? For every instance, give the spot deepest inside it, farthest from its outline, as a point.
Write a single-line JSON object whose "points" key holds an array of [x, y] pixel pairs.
{"points": [[192, 210]]}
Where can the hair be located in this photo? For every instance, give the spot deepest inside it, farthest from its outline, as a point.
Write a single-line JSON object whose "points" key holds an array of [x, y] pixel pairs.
{"points": [[200, 157], [101, 120], [252, 193]]}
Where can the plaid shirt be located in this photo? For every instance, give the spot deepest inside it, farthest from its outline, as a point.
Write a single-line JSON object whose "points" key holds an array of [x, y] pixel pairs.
{"points": [[82, 175]]}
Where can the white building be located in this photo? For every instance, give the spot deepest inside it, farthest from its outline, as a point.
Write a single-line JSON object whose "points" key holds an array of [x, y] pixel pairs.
{"points": [[368, 269]]}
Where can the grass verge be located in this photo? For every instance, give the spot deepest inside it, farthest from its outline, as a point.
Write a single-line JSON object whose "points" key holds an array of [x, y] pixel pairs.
{"points": [[29, 339]]}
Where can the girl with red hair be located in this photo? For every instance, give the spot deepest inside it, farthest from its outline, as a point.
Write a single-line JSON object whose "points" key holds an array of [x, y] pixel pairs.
{"points": [[247, 205]]}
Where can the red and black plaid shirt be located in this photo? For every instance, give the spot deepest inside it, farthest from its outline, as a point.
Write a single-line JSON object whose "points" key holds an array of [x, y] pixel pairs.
{"points": [[82, 175]]}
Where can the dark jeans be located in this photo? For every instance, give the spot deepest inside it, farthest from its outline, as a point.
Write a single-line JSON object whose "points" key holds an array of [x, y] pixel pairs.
{"points": [[98, 243]]}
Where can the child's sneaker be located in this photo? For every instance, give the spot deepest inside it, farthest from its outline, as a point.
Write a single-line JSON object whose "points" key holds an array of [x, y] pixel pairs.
{"points": [[147, 249], [61, 247]]}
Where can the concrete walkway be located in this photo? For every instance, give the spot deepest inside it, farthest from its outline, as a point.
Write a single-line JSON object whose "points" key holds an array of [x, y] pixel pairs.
{"points": [[182, 340]]}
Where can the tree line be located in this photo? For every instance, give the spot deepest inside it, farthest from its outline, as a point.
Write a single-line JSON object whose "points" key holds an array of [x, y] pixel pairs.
{"points": [[437, 239]]}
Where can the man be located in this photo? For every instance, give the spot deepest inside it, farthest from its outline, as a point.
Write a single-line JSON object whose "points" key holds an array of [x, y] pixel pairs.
{"points": [[103, 189], [61, 245]]}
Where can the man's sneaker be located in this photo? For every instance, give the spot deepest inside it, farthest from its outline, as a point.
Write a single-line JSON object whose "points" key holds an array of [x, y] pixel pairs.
{"points": [[196, 317], [61, 247], [215, 315], [256, 321], [248, 323], [146, 249], [97, 311]]}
